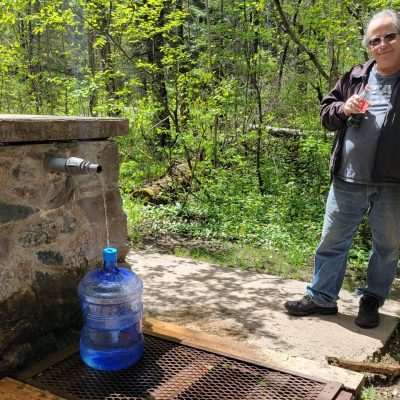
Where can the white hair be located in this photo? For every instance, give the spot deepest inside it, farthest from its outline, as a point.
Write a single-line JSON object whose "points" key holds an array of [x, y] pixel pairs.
{"points": [[381, 14]]}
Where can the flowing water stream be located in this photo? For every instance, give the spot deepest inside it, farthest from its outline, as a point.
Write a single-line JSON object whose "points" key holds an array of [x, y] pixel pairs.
{"points": [[103, 189]]}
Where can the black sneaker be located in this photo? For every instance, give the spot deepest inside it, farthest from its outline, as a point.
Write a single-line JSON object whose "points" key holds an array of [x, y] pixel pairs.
{"points": [[307, 306], [368, 315]]}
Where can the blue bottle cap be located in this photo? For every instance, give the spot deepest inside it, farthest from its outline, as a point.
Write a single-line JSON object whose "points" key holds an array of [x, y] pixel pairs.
{"points": [[110, 255]]}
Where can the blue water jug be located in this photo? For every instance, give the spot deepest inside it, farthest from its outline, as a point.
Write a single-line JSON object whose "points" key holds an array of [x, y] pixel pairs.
{"points": [[111, 301]]}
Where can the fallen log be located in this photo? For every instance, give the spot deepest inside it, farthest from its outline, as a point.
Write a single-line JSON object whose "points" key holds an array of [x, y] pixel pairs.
{"points": [[161, 190], [367, 367]]}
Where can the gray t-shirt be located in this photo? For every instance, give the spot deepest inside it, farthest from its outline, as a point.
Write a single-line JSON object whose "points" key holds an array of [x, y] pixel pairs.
{"points": [[359, 147]]}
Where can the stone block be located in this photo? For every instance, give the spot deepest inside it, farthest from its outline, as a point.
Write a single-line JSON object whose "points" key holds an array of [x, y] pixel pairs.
{"points": [[4, 247], [93, 208], [17, 356], [13, 212], [50, 257], [52, 227]]}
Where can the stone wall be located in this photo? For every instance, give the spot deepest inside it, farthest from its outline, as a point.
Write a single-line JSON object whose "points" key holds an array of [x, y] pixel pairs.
{"points": [[52, 230]]}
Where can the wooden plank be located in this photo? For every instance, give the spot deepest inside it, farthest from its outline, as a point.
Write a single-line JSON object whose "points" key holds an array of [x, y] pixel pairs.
{"points": [[330, 391], [343, 395], [252, 354], [182, 380], [204, 341], [215, 344], [11, 389], [379, 368], [48, 362]]}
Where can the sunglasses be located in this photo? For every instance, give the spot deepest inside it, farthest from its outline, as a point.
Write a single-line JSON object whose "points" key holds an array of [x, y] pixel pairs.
{"points": [[388, 38]]}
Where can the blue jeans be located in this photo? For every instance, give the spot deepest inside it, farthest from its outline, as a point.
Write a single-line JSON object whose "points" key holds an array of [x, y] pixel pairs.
{"points": [[346, 205]]}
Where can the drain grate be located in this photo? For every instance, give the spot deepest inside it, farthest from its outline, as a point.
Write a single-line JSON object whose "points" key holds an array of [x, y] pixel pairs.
{"points": [[171, 371]]}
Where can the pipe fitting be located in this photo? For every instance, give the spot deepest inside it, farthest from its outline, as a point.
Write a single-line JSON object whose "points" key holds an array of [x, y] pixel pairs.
{"points": [[72, 165]]}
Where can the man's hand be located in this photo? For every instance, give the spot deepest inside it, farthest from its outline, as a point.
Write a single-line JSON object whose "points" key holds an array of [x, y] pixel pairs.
{"points": [[352, 105]]}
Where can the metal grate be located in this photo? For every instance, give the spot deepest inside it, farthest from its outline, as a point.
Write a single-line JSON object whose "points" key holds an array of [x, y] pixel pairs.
{"points": [[171, 371]]}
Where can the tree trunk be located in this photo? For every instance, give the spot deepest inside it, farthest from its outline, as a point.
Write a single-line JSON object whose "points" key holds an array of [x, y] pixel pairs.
{"points": [[158, 84], [253, 48], [28, 42], [106, 63], [91, 37]]}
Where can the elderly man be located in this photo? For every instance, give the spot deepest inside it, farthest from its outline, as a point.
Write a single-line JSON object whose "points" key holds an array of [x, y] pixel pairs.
{"points": [[365, 176]]}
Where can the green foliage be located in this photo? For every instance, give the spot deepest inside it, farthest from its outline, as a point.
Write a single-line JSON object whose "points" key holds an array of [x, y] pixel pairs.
{"points": [[245, 257], [102, 45], [141, 161], [228, 206], [370, 393], [200, 83], [134, 214]]}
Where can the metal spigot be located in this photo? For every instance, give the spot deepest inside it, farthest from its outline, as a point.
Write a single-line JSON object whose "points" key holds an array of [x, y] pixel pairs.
{"points": [[72, 165]]}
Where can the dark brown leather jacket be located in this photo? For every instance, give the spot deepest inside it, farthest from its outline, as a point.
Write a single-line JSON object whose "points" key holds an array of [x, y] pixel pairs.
{"points": [[387, 157]]}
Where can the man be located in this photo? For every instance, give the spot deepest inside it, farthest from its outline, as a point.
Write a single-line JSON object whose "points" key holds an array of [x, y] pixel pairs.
{"points": [[365, 177]]}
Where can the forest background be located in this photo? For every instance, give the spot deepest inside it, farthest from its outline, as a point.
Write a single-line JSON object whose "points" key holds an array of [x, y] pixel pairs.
{"points": [[225, 148]]}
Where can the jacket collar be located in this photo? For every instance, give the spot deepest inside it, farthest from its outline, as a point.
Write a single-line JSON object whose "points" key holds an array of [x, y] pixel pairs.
{"points": [[363, 70]]}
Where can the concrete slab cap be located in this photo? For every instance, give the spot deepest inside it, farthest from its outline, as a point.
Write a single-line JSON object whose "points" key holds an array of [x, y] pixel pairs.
{"points": [[248, 307], [44, 128]]}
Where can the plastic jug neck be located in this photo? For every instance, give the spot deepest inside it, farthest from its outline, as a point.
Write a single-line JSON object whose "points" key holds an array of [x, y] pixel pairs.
{"points": [[110, 255]]}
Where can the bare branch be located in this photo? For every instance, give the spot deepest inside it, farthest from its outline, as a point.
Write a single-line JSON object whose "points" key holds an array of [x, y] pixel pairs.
{"points": [[293, 36]]}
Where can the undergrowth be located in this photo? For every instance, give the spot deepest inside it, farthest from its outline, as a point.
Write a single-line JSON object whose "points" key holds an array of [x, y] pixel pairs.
{"points": [[276, 233]]}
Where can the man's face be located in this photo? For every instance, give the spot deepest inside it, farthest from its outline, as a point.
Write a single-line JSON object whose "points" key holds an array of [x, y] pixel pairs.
{"points": [[384, 45]]}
